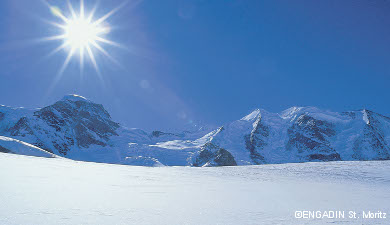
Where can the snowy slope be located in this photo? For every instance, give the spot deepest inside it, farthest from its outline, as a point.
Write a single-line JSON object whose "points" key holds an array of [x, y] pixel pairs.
{"points": [[57, 191], [10, 145]]}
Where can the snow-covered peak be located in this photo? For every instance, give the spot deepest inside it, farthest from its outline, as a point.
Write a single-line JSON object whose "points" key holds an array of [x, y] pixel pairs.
{"points": [[80, 129], [252, 116], [294, 112], [74, 98], [290, 112]]}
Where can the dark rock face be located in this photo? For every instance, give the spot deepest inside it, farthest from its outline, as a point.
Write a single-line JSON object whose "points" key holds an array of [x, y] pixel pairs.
{"points": [[90, 115], [204, 157], [256, 141], [158, 133], [212, 155], [4, 150], [21, 128], [352, 115], [322, 157], [309, 135], [224, 158], [372, 139], [1, 116], [66, 124]]}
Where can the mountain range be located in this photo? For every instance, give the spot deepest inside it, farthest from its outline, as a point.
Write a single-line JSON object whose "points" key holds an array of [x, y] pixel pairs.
{"points": [[79, 129]]}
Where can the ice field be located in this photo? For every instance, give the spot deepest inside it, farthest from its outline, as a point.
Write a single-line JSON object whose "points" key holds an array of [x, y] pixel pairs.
{"points": [[36, 190]]}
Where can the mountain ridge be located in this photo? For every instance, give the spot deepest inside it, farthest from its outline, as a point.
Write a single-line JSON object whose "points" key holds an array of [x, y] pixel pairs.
{"points": [[77, 128]]}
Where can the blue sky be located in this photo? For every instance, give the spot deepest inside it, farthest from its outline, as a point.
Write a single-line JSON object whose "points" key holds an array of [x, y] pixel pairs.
{"points": [[211, 61]]}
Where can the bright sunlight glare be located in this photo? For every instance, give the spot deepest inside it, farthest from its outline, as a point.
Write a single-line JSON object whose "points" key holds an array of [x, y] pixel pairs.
{"points": [[81, 34]]}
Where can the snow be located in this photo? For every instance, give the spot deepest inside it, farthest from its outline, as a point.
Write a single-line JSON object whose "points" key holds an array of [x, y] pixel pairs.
{"points": [[23, 148], [9, 116], [349, 128], [365, 117], [253, 115], [58, 191], [290, 113], [74, 97], [132, 145], [320, 114]]}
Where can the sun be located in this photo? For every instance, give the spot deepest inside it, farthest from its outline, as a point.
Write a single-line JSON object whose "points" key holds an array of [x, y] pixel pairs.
{"points": [[81, 34]]}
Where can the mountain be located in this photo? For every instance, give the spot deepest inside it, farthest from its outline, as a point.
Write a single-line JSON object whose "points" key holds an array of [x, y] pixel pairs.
{"points": [[73, 127], [77, 128], [302, 134]]}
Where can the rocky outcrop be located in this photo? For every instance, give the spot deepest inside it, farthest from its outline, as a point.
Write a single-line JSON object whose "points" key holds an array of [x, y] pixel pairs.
{"points": [[310, 137], [257, 140], [212, 155], [372, 143], [4, 150], [72, 122]]}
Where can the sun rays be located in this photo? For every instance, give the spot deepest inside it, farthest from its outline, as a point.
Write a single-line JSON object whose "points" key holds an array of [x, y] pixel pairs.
{"points": [[81, 34]]}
